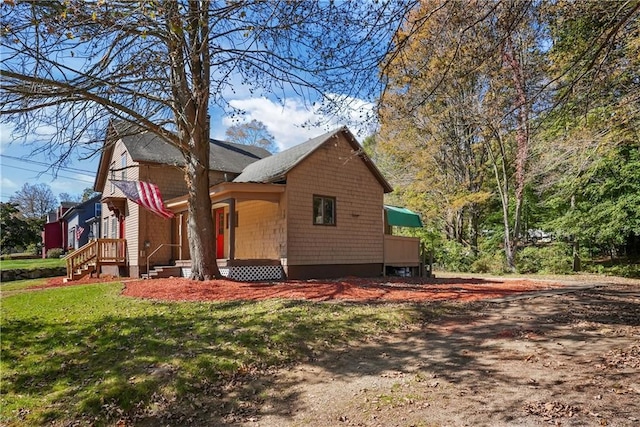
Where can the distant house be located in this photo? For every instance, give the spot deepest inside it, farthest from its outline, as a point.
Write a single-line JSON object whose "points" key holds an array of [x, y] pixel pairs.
{"points": [[54, 233], [312, 211], [82, 225]]}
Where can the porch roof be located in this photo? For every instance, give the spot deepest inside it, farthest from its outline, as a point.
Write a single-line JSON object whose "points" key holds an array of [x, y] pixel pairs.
{"points": [[240, 191]]}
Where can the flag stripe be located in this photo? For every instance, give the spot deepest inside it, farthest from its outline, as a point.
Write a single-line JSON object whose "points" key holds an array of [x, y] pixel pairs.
{"points": [[151, 194], [146, 195]]}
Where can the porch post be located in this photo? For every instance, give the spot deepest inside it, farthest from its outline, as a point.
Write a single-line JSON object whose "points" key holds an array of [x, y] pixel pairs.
{"points": [[232, 228]]}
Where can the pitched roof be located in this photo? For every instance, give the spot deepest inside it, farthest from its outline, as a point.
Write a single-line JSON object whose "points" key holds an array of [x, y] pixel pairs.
{"points": [[223, 156], [145, 146], [253, 164], [274, 168]]}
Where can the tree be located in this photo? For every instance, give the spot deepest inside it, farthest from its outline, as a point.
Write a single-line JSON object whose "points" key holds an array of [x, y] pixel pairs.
{"points": [[162, 65], [34, 201], [595, 58], [605, 212], [87, 194], [66, 197], [16, 231], [464, 90], [252, 133]]}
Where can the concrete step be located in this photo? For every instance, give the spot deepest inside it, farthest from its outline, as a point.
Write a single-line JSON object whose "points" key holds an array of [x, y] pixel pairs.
{"points": [[162, 272]]}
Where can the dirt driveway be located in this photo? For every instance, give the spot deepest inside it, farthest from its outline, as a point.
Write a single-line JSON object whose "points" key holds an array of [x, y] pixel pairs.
{"points": [[570, 359], [508, 353]]}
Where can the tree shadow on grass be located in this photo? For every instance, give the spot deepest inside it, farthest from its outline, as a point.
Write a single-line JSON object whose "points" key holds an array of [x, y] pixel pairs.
{"points": [[467, 346], [198, 363], [211, 364]]}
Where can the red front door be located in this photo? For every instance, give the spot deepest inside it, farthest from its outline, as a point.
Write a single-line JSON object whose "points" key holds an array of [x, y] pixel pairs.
{"points": [[218, 216]]}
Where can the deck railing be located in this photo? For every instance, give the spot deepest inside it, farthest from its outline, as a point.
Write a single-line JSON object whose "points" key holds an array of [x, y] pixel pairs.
{"points": [[113, 251], [95, 253], [401, 251]]}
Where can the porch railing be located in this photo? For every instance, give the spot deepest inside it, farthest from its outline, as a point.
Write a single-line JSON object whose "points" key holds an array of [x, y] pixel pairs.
{"points": [[93, 254]]}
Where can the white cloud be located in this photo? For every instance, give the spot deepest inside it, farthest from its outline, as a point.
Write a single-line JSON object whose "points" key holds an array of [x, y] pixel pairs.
{"points": [[294, 122], [8, 186], [5, 135], [68, 186]]}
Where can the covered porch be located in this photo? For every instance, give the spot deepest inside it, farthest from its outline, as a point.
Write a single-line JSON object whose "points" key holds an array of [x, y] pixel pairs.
{"points": [[249, 230]]}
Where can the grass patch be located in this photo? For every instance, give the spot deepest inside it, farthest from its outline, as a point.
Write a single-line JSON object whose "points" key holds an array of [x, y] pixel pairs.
{"points": [[30, 264], [86, 354], [9, 288]]}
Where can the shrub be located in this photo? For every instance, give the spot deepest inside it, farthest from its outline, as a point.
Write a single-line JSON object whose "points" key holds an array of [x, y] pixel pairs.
{"points": [[33, 249], [489, 263], [554, 259], [54, 253], [452, 256]]}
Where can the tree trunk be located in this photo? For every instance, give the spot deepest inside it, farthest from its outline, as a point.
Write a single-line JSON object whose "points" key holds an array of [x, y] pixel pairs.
{"points": [[473, 228], [522, 140], [577, 265], [188, 45], [509, 244], [200, 223]]}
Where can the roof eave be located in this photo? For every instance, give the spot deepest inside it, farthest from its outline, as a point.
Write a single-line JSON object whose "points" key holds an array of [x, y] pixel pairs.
{"points": [[105, 157]]}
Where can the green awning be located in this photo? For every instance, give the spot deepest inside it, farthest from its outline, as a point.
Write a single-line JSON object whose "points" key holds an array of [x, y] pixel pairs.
{"points": [[402, 217]]}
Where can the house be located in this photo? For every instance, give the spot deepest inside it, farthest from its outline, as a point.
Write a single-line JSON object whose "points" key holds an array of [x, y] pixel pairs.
{"points": [[82, 225], [55, 231], [312, 211]]}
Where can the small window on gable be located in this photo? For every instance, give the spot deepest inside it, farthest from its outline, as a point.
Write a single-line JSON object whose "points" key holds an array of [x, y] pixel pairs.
{"points": [[123, 166], [112, 176], [324, 210]]}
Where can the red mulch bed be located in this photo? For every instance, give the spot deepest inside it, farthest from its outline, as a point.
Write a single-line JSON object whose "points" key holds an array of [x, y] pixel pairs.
{"points": [[397, 289]]}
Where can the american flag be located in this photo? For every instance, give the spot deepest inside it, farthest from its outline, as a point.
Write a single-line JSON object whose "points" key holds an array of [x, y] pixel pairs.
{"points": [[79, 231], [146, 195]]}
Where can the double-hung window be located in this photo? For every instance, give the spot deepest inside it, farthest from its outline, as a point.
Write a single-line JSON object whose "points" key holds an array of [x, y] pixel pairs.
{"points": [[324, 210]]}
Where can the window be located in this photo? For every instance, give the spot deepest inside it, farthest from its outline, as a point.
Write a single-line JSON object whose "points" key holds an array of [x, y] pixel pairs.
{"points": [[324, 210], [105, 228], [112, 176], [114, 227], [123, 166]]}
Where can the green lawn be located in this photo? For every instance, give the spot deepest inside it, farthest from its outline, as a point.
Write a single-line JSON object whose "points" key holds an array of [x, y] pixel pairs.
{"points": [[86, 354], [10, 288], [12, 264]]}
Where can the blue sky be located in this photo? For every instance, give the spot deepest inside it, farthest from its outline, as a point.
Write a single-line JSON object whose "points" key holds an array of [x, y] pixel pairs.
{"points": [[285, 122]]}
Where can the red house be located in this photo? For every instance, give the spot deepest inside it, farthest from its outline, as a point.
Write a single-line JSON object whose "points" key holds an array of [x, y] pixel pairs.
{"points": [[54, 234]]}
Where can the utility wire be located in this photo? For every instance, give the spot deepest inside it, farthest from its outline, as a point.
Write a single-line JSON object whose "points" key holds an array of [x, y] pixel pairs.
{"points": [[66, 168], [58, 176]]}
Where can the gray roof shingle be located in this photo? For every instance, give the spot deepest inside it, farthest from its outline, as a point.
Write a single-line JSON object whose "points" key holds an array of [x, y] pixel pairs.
{"points": [[223, 156], [274, 168]]}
